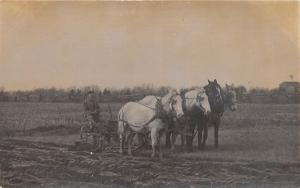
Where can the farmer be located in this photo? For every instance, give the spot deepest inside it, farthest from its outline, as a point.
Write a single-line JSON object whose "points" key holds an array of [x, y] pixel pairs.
{"points": [[91, 107], [92, 117]]}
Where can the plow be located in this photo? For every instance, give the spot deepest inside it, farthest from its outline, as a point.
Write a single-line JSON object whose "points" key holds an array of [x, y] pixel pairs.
{"points": [[103, 134], [99, 132]]}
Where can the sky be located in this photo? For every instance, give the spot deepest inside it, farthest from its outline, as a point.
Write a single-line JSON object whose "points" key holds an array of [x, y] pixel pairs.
{"points": [[124, 44]]}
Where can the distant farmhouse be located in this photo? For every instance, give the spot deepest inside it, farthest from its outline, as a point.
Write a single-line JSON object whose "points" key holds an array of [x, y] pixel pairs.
{"points": [[287, 92], [290, 87]]}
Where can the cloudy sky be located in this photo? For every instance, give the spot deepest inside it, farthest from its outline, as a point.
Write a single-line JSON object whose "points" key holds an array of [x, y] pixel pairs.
{"points": [[118, 44]]}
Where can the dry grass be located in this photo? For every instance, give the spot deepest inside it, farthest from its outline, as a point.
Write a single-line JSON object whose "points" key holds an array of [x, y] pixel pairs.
{"points": [[44, 116], [257, 132]]}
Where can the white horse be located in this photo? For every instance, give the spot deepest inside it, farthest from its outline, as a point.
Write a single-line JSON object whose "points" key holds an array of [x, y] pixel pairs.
{"points": [[196, 98], [138, 117], [195, 105], [195, 102]]}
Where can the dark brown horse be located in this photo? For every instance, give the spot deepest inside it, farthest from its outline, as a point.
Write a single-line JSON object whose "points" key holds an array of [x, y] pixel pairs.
{"points": [[219, 99]]}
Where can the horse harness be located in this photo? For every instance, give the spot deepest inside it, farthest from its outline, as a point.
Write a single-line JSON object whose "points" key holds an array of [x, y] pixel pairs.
{"points": [[198, 98], [158, 113], [173, 129]]}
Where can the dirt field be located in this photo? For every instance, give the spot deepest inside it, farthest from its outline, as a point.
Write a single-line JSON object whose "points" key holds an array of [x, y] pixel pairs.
{"points": [[259, 147]]}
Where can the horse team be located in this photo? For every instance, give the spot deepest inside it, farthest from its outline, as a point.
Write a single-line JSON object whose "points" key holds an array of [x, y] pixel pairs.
{"points": [[184, 114]]}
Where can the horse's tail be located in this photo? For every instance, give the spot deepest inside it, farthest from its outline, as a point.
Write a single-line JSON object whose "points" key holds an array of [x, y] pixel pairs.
{"points": [[121, 122], [121, 129]]}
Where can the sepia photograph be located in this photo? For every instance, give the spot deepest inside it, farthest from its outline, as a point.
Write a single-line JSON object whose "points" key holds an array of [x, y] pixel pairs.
{"points": [[149, 94]]}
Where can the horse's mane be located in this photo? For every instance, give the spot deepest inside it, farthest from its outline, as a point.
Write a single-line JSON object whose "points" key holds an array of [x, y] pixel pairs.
{"points": [[185, 90], [167, 98]]}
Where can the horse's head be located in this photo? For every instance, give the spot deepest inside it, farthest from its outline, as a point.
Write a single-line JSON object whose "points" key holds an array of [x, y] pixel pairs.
{"points": [[175, 104], [230, 97], [202, 101], [214, 93]]}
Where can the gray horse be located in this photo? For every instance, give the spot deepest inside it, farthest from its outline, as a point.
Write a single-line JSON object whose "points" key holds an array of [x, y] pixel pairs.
{"points": [[138, 117], [195, 106]]}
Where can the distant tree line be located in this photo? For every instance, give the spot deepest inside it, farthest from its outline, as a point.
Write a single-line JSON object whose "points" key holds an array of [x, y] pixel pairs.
{"points": [[76, 95]]}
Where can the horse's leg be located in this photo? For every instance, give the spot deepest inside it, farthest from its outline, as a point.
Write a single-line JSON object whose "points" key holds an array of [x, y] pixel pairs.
{"points": [[216, 126], [168, 140], [182, 140], [154, 140], [205, 132], [122, 131], [145, 139], [174, 136], [189, 141], [122, 142], [121, 136], [200, 131], [185, 136], [142, 140], [129, 142], [159, 145], [168, 135], [182, 136]]}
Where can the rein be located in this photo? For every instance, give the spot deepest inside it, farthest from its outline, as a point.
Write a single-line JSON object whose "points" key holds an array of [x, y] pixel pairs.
{"points": [[190, 97], [157, 115], [145, 124], [154, 109], [197, 97]]}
